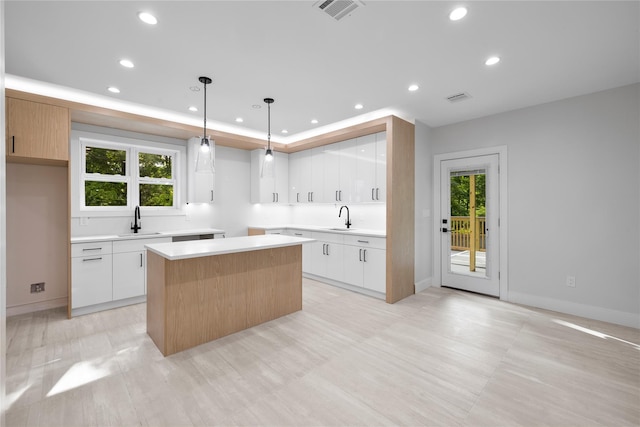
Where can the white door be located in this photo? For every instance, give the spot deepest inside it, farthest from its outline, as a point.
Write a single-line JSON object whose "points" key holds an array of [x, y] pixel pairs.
{"points": [[469, 224]]}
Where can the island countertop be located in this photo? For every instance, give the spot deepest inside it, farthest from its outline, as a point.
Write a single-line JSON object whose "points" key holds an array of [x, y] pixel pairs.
{"points": [[203, 248]]}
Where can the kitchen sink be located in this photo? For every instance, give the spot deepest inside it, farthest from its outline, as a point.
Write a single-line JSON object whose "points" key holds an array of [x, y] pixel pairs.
{"points": [[152, 233], [342, 229]]}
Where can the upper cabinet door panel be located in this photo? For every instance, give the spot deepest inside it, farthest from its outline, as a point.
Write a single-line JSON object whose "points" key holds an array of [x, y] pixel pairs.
{"points": [[366, 169], [37, 131]]}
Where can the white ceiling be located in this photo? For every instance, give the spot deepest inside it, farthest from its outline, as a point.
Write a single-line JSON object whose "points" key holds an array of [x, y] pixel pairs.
{"points": [[316, 67]]}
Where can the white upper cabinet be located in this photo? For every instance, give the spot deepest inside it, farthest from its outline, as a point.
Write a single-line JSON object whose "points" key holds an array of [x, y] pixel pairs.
{"points": [[200, 186], [269, 188], [351, 171]]}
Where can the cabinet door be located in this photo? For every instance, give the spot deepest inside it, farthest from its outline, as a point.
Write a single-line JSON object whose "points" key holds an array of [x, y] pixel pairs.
{"points": [[348, 156], [91, 280], [365, 184], [331, 175], [375, 271], [200, 186], [353, 265], [128, 275], [381, 167], [304, 185], [281, 177], [317, 175], [36, 130], [295, 164], [318, 258], [335, 262], [263, 186]]}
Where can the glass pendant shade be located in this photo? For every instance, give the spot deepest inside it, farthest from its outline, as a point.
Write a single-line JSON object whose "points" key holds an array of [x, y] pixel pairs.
{"points": [[268, 164], [204, 161]]}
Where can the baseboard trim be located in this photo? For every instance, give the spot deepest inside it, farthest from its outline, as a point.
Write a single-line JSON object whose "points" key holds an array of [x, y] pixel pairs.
{"points": [[423, 284], [36, 306], [589, 311]]}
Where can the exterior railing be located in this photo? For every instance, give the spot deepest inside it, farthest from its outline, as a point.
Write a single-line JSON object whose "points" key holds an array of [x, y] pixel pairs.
{"points": [[461, 233]]}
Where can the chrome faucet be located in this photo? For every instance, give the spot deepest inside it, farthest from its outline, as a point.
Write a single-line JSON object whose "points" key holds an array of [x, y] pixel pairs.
{"points": [[347, 222], [136, 216]]}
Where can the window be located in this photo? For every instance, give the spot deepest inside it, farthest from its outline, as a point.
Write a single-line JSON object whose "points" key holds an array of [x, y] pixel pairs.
{"points": [[118, 177]]}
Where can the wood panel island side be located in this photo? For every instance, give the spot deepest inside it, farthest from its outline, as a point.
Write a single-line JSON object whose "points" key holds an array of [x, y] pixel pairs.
{"points": [[199, 291]]}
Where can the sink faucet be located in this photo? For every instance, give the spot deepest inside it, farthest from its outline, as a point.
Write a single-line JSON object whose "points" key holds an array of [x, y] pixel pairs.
{"points": [[347, 222], [136, 216]]}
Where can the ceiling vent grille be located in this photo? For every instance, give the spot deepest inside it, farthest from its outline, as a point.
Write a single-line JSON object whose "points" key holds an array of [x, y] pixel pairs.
{"points": [[458, 97], [337, 9]]}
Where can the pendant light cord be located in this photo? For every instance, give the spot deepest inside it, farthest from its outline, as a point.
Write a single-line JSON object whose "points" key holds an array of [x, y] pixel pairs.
{"points": [[269, 126], [204, 131]]}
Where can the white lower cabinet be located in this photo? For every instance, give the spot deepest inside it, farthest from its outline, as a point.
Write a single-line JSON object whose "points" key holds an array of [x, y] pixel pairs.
{"points": [[326, 256], [110, 271], [307, 249], [128, 275], [365, 261], [91, 282]]}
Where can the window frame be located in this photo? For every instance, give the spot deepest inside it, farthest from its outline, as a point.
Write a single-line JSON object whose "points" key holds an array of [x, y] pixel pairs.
{"points": [[131, 178]]}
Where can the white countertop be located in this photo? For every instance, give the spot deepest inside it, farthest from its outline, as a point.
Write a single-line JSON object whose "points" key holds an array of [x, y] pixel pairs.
{"points": [[325, 229], [146, 235], [202, 248]]}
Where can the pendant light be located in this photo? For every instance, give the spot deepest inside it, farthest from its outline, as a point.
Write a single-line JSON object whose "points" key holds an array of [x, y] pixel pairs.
{"points": [[204, 162], [269, 160]]}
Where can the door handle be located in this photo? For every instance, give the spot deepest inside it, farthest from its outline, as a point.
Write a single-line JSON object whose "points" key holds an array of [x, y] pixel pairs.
{"points": [[13, 144], [445, 230]]}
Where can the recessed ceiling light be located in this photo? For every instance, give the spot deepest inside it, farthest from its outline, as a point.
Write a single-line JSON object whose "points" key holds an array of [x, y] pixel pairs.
{"points": [[413, 88], [126, 63], [358, 106], [239, 119], [314, 121], [194, 88], [256, 106], [458, 13], [492, 61], [147, 18], [113, 89], [285, 131], [192, 108]]}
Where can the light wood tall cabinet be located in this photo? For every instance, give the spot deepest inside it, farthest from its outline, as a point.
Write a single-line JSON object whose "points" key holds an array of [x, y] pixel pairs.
{"points": [[36, 132]]}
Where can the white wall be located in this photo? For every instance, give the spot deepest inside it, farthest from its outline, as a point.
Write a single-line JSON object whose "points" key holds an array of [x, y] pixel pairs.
{"points": [[574, 200], [423, 206]]}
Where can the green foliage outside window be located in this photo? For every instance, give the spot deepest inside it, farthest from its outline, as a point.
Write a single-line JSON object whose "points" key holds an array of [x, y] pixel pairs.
{"points": [[154, 165], [105, 161], [99, 193], [156, 195], [460, 195]]}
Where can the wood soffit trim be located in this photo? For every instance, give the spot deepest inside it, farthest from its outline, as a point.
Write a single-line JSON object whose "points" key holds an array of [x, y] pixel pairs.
{"points": [[99, 116]]}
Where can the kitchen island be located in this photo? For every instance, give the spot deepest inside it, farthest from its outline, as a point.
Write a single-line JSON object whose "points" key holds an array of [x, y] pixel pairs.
{"points": [[202, 290]]}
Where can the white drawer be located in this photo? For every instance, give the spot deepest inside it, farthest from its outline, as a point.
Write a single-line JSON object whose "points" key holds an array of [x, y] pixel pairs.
{"points": [[366, 241], [299, 233], [136, 245], [90, 249], [275, 231], [327, 237]]}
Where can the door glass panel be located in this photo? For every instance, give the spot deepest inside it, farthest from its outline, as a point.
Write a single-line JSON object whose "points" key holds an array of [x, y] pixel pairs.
{"points": [[468, 223]]}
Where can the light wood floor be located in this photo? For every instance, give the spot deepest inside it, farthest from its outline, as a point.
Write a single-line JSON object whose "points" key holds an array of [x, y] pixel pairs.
{"points": [[441, 357]]}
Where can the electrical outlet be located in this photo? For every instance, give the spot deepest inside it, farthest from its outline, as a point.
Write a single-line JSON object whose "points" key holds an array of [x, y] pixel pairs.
{"points": [[37, 287], [571, 281]]}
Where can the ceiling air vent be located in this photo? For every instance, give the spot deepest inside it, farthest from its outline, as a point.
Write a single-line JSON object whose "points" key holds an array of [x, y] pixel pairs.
{"points": [[458, 97], [337, 9]]}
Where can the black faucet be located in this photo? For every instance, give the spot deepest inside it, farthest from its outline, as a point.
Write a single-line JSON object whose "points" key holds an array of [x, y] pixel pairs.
{"points": [[136, 216], [347, 222]]}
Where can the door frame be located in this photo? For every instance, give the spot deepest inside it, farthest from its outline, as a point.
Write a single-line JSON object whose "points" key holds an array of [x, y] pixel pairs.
{"points": [[503, 264]]}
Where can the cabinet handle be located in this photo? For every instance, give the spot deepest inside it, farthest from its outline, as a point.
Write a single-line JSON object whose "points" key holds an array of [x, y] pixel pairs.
{"points": [[212, 195], [298, 197], [363, 241], [337, 198], [140, 259], [365, 255], [312, 201], [91, 249], [377, 194], [308, 196], [277, 197], [91, 259], [372, 196], [324, 246], [298, 234], [13, 143], [327, 249], [361, 255], [340, 194]]}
